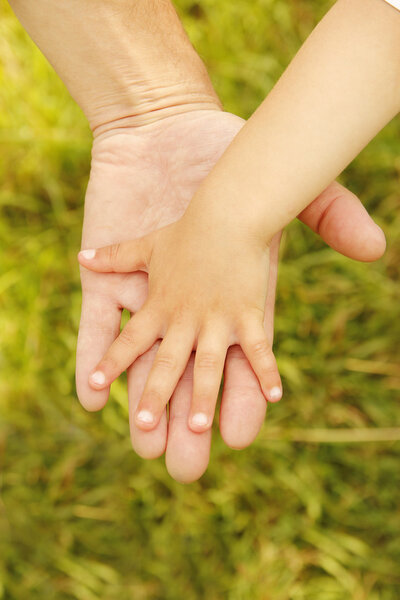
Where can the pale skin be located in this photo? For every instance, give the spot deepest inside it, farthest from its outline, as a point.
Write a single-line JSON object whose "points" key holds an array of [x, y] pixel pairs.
{"points": [[340, 90], [167, 136]]}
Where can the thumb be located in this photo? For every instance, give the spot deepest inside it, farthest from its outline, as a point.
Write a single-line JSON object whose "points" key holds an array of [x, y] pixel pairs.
{"points": [[123, 257], [338, 216]]}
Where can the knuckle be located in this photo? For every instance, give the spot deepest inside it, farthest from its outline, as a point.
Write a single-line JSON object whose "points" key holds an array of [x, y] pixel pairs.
{"points": [[268, 369], [153, 397], [207, 361], [261, 349], [113, 254], [127, 337], [165, 361], [182, 315]]}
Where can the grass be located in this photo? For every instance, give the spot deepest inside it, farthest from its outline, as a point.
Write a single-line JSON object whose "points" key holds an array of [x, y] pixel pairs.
{"points": [[311, 509]]}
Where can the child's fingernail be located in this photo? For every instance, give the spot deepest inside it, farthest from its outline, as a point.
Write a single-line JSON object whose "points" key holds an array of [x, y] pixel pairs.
{"points": [[88, 254], [275, 394], [199, 419], [98, 378], [145, 416]]}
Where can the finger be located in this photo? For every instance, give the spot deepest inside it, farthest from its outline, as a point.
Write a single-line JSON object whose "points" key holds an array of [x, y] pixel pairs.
{"points": [[99, 326], [188, 453], [138, 336], [124, 257], [258, 350], [338, 216], [169, 364], [243, 405], [147, 444], [208, 366]]}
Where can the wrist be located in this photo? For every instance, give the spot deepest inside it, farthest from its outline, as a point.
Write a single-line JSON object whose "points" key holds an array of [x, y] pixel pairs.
{"points": [[155, 99], [213, 214]]}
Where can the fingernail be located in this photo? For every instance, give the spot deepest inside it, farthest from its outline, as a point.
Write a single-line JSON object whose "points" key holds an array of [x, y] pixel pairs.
{"points": [[145, 416], [275, 394], [88, 254], [200, 419], [98, 378]]}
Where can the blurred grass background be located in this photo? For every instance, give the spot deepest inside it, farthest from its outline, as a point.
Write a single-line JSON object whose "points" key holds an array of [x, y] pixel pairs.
{"points": [[303, 513]]}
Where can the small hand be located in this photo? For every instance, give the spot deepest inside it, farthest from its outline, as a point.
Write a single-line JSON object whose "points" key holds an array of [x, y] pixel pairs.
{"points": [[207, 290]]}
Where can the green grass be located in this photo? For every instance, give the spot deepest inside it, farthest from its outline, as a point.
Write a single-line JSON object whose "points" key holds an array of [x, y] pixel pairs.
{"points": [[302, 514]]}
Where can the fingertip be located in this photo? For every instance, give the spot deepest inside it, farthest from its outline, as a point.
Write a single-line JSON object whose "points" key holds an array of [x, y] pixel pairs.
{"points": [[187, 470], [275, 394], [93, 407], [148, 452], [91, 400], [367, 245], [375, 246], [184, 478], [348, 228]]}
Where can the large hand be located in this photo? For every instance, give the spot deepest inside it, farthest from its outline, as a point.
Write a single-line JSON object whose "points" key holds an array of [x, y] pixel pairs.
{"points": [[141, 179]]}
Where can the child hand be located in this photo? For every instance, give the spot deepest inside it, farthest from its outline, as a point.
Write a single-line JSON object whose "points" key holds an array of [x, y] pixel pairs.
{"points": [[207, 291]]}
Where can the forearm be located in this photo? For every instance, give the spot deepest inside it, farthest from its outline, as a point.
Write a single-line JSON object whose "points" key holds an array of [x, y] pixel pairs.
{"points": [[121, 60], [339, 91]]}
